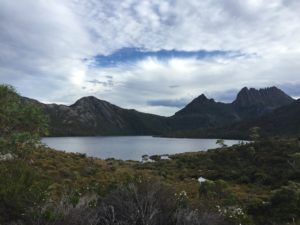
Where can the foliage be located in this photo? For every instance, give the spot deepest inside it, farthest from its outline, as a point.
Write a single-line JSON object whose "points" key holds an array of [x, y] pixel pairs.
{"points": [[295, 161], [285, 203], [254, 133], [70, 176], [141, 203], [221, 142], [155, 157], [20, 124], [217, 192], [20, 189]]}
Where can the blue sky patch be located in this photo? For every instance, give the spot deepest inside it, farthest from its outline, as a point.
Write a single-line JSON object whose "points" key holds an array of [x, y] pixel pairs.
{"points": [[131, 55]]}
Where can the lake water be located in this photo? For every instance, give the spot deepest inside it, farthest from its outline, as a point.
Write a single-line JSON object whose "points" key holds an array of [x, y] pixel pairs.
{"points": [[130, 147]]}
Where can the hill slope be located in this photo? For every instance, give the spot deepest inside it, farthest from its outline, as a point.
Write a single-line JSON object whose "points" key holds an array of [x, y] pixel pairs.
{"points": [[203, 112], [91, 116], [284, 120]]}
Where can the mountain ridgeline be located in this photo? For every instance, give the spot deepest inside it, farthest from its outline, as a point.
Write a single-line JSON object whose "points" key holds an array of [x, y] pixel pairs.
{"points": [[91, 116], [269, 108], [251, 103]]}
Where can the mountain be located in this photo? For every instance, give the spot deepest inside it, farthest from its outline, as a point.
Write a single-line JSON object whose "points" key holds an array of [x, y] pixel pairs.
{"points": [[202, 117], [284, 120], [203, 112], [251, 103], [92, 116]]}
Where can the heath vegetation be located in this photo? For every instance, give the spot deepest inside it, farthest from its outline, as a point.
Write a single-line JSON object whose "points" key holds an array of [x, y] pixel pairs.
{"points": [[256, 183]]}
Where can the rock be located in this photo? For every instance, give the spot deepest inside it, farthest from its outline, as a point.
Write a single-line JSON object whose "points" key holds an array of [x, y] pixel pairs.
{"points": [[6, 157], [201, 180]]}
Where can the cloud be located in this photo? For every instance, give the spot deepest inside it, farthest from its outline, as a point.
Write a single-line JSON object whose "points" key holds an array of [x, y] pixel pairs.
{"points": [[108, 83], [293, 88], [226, 96], [177, 103], [251, 25], [174, 86], [41, 47], [171, 49]]}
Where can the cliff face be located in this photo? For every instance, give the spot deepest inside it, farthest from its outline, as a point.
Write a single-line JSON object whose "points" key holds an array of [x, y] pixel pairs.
{"points": [[251, 103], [269, 97]]}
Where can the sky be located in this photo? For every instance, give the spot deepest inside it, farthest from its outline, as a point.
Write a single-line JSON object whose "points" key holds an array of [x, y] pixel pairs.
{"points": [[151, 55]]}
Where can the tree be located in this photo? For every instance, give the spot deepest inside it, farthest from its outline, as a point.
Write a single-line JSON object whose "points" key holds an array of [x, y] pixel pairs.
{"points": [[285, 203], [254, 133], [21, 125], [155, 157], [145, 158], [295, 162], [221, 142]]}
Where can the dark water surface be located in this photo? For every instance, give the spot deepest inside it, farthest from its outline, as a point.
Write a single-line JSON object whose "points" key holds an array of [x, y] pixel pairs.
{"points": [[130, 147]]}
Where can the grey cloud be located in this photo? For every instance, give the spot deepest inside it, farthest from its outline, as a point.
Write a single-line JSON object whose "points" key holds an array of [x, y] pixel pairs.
{"points": [[41, 43], [174, 86], [292, 89], [177, 103], [166, 23], [108, 83], [226, 96]]}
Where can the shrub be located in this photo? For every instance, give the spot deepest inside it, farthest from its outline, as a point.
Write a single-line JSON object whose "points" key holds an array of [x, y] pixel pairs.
{"points": [[19, 190], [216, 192], [285, 203], [20, 124]]}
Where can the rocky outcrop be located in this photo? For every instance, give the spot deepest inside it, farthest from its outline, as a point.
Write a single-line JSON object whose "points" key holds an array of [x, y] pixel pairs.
{"points": [[251, 103]]}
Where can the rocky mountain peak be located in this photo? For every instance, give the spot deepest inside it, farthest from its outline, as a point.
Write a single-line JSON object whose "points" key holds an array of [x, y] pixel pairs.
{"points": [[199, 104], [89, 102], [270, 97], [87, 99], [202, 99]]}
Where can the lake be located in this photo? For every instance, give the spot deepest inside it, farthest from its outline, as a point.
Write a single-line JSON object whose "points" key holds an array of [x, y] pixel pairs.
{"points": [[130, 147]]}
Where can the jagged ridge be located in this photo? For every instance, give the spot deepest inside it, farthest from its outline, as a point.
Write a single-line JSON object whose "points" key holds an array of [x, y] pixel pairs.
{"points": [[92, 116]]}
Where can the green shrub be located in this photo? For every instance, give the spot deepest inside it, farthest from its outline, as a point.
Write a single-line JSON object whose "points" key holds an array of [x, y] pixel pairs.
{"points": [[20, 189]]}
